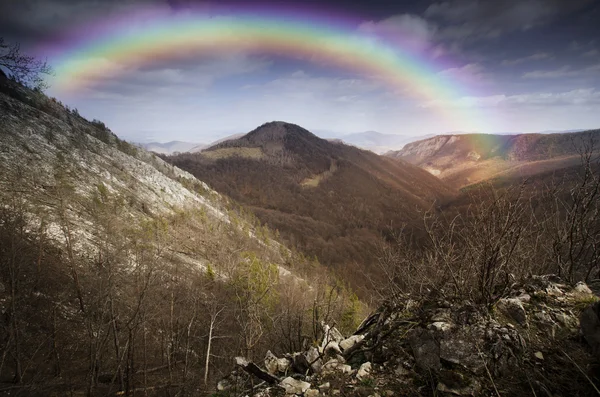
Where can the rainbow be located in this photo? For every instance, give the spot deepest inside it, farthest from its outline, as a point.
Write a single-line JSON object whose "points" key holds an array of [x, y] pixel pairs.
{"points": [[111, 51]]}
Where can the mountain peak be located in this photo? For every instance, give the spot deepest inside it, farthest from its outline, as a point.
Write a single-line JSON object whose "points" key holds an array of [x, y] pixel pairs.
{"points": [[273, 138], [277, 130]]}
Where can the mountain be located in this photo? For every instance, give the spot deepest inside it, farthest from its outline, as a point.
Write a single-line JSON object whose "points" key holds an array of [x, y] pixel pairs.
{"points": [[182, 147], [327, 199], [561, 131], [121, 272], [378, 142], [199, 148], [461, 160], [370, 140], [169, 147]]}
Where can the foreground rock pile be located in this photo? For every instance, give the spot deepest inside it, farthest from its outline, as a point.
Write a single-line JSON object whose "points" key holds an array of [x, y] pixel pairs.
{"points": [[527, 343]]}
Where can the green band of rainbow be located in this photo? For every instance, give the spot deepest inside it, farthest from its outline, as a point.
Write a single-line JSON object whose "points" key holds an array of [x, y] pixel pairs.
{"points": [[171, 37]]}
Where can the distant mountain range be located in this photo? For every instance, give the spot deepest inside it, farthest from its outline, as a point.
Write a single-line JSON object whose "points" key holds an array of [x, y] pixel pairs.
{"points": [[181, 146], [465, 159], [374, 141], [168, 147], [200, 147], [369, 140], [378, 142]]}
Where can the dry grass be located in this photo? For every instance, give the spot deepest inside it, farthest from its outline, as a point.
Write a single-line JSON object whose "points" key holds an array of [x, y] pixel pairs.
{"points": [[315, 180], [243, 152]]}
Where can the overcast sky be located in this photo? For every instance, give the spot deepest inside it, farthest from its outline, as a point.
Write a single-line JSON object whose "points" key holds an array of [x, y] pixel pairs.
{"points": [[528, 65]]}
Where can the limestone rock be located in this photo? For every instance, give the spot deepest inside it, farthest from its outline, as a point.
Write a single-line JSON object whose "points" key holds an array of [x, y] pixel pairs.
{"points": [[513, 308], [351, 341], [364, 371], [294, 386], [283, 364], [313, 359], [325, 386], [566, 320], [461, 348], [331, 334], [553, 290], [311, 393], [442, 315], [271, 363], [525, 298], [334, 365], [332, 348], [440, 326], [581, 289], [400, 371]]}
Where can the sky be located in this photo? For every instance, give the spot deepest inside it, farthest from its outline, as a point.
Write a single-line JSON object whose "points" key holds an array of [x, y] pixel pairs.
{"points": [[491, 66]]}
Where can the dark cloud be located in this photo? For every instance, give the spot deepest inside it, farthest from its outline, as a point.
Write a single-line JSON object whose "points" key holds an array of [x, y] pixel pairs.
{"points": [[476, 19], [39, 20]]}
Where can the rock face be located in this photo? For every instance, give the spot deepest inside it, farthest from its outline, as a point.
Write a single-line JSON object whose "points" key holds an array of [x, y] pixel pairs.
{"points": [[425, 349], [513, 308], [590, 327], [458, 348]]}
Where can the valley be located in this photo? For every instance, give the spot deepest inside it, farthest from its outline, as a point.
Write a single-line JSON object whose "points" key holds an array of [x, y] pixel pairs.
{"points": [[325, 199], [444, 268], [113, 263], [462, 160]]}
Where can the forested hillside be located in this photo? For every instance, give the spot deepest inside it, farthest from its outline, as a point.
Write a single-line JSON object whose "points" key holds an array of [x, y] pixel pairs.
{"points": [[119, 271], [327, 199]]}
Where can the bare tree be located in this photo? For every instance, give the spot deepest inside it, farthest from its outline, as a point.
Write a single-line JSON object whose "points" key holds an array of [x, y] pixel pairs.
{"points": [[474, 254], [25, 69], [214, 311], [575, 221]]}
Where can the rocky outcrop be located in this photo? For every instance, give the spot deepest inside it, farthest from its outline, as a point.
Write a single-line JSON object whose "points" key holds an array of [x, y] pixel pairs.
{"points": [[455, 348]]}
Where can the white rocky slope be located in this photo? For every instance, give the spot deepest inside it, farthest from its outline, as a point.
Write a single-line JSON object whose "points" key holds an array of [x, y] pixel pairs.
{"points": [[57, 164], [113, 263]]}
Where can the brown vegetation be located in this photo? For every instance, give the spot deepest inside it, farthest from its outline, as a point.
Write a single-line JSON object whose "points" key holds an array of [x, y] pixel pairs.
{"points": [[328, 200], [497, 234], [122, 274], [462, 160]]}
